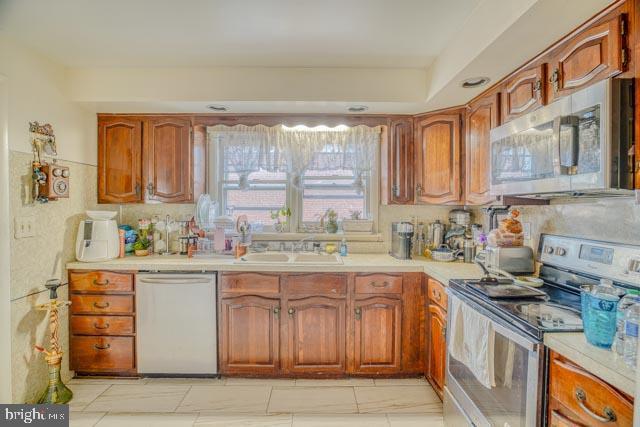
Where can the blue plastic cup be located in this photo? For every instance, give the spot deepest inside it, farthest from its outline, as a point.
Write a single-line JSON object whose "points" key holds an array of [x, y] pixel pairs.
{"points": [[599, 316]]}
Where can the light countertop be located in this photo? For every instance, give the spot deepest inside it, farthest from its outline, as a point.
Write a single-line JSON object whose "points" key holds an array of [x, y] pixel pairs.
{"points": [[366, 263], [602, 363]]}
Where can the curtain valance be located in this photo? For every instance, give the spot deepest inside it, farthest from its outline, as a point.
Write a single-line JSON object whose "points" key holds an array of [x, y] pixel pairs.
{"points": [[295, 150]]}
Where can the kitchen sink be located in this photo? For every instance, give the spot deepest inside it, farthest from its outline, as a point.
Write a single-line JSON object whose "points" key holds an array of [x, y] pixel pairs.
{"points": [[290, 258], [265, 258], [304, 258]]}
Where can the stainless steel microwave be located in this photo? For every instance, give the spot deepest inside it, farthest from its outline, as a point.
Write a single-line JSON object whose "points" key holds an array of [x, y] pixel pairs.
{"points": [[579, 145]]}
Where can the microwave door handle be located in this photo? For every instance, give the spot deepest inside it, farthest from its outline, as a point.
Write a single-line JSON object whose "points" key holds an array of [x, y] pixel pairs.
{"points": [[567, 164]]}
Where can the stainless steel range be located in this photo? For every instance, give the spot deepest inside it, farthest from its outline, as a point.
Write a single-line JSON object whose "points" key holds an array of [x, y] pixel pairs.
{"points": [[518, 324]]}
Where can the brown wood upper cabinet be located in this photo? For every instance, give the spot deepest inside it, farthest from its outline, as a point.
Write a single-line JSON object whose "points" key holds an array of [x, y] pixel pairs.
{"points": [[437, 151], [119, 160], [142, 158], [482, 116], [592, 55], [523, 92], [169, 160], [397, 161]]}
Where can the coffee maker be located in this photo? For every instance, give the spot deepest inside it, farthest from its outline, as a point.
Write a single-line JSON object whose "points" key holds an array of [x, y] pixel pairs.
{"points": [[401, 237]]}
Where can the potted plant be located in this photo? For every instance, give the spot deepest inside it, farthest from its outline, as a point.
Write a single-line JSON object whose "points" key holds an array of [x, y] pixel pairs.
{"points": [[281, 216], [141, 246], [331, 221], [356, 224]]}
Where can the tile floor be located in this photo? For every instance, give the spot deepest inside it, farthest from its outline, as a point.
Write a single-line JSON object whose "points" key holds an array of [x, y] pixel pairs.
{"points": [[178, 402]]}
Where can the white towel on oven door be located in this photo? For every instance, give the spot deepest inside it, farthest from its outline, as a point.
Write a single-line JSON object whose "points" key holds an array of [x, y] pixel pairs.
{"points": [[472, 341]]}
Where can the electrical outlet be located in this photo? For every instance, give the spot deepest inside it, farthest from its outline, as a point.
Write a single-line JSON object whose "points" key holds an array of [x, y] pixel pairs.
{"points": [[25, 226], [526, 230]]}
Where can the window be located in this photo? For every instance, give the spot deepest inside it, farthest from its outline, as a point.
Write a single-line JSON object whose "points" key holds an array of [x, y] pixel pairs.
{"points": [[256, 193], [332, 189], [267, 191]]}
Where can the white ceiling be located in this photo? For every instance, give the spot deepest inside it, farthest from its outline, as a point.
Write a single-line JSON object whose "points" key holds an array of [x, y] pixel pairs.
{"points": [[265, 33], [395, 56]]}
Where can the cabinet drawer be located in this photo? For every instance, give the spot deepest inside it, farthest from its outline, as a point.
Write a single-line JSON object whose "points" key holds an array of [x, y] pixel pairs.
{"points": [[378, 284], [437, 293], [320, 283], [100, 281], [106, 304], [250, 283], [102, 325], [587, 395], [102, 354]]}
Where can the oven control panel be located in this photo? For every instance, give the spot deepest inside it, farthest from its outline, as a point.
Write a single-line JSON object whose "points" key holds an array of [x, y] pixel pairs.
{"points": [[617, 261]]}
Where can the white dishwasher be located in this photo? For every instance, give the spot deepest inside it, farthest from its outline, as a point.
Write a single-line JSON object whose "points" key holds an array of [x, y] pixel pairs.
{"points": [[176, 321]]}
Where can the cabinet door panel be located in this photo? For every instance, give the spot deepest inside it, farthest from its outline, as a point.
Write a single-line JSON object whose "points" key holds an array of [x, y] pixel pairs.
{"points": [[437, 347], [438, 158], [398, 163], [316, 335], [377, 333], [169, 160], [594, 54], [119, 160], [481, 118], [249, 335], [523, 92]]}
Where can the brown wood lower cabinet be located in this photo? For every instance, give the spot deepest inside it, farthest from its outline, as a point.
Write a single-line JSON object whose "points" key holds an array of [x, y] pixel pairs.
{"points": [[316, 335], [579, 398], [377, 335], [102, 322], [249, 335], [320, 325], [436, 342]]}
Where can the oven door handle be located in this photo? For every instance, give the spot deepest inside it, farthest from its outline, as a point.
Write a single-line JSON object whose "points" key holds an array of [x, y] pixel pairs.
{"points": [[499, 328]]}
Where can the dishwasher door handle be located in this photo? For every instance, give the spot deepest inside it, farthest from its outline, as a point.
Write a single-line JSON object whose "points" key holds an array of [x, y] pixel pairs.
{"points": [[174, 281]]}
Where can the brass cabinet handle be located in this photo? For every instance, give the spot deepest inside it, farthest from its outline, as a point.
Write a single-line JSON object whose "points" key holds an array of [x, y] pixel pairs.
{"points": [[379, 285], [101, 347], [358, 312], [98, 305], [419, 189], [395, 189], [555, 80], [98, 283], [276, 311], [150, 189], [106, 326], [609, 414], [444, 331], [537, 87], [291, 311]]}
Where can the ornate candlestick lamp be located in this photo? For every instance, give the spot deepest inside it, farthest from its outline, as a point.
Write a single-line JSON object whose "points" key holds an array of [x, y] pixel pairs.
{"points": [[56, 391]]}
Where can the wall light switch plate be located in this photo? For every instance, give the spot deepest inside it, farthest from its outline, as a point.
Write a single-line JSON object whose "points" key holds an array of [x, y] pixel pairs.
{"points": [[526, 230], [25, 226]]}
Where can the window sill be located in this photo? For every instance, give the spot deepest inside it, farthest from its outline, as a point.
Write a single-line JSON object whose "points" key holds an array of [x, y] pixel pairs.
{"points": [[321, 237]]}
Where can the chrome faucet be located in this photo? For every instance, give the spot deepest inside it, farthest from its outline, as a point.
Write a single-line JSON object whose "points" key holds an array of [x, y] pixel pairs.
{"points": [[300, 244]]}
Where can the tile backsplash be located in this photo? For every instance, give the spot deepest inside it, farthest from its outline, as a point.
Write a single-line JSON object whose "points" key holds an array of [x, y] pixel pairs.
{"points": [[36, 259]]}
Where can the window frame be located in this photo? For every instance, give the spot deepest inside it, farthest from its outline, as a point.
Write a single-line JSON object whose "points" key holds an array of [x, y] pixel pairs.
{"points": [[294, 196]]}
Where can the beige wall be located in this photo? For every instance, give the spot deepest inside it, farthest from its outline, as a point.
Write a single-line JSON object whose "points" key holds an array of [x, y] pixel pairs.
{"points": [[37, 90]]}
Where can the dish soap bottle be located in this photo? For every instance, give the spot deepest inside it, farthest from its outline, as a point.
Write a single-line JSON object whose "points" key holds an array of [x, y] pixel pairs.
{"points": [[343, 247]]}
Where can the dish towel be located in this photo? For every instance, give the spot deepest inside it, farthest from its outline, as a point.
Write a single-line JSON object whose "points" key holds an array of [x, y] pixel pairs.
{"points": [[473, 342]]}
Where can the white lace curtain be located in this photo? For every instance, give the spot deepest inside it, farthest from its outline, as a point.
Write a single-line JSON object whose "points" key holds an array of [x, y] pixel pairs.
{"points": [[295, 150]]}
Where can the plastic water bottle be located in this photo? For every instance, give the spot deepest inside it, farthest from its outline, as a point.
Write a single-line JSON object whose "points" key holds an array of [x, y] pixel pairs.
{"points": [[632, 296], [631, 321]]}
